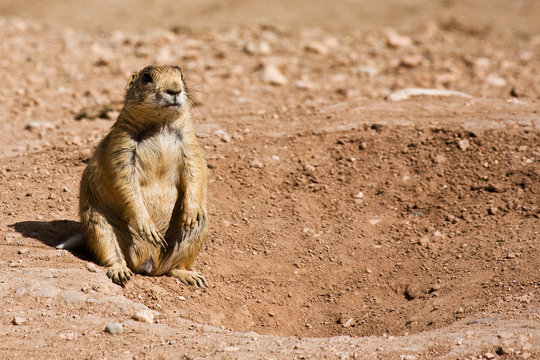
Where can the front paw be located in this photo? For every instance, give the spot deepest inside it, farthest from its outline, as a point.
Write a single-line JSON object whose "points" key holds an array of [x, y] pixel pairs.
{"points": [[152, 234], [191, 218], [147, 231]]}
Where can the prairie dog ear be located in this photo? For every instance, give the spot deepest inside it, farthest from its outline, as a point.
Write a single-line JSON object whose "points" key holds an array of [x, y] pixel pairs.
{"points": [[131, 80], [179, 69]]}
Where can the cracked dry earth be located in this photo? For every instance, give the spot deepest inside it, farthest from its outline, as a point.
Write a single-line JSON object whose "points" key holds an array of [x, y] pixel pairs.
{"points": [[343, 225]]}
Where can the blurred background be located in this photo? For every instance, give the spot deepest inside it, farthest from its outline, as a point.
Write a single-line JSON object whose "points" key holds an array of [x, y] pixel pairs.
{"points": [[518, 16]]}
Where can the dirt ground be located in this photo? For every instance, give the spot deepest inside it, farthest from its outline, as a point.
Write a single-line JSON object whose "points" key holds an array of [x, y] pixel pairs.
{"points": [[344, 224]]}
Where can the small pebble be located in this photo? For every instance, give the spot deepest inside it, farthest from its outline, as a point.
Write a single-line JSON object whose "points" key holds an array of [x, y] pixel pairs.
{"points": [[424, 241], [463, 144], [10, 238], [67, 336], [348, 323], [316, 47], [18, 320], [114, 328], [222, 135], [33, 125], [272, 75], [308, 167], [394, 39], [146, 316], [257, 164], [496, 81], [411, 61], [92, 267]]}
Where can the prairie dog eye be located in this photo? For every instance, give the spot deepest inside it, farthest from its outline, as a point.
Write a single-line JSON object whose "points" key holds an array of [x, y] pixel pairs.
{"points": [[147, 78]]}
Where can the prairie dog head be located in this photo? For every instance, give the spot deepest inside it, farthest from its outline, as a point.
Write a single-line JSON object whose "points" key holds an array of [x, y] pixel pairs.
{"points": [[157, 91]]}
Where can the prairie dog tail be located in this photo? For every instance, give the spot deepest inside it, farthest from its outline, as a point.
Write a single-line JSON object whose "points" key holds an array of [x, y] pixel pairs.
{"points": [[72, 242]]}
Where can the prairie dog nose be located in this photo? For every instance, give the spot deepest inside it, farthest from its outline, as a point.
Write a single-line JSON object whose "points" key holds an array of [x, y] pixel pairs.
{"points": [[174, 88]]}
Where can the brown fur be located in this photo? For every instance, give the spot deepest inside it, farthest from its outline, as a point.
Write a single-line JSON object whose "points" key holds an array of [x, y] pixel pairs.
{"points": [[143, 193]]}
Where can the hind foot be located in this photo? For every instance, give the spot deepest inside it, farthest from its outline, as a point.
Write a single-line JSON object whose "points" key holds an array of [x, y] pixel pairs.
{"points": [[189, 277], [119, 274]]}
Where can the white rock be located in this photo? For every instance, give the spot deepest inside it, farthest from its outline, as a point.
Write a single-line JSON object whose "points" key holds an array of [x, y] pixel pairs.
{"points": [[348, 323], [18, 320], [496, 81], [35, 125], [374, 221], [272, 75], [412, 60], [302, 84], [394, 39], [308, 167], [256, 163], [258, 48], [482, 63], [114, 328], [424, 241], [67, 336], [92, 267], [463, 144], [9, 238], [222, 135], [367, 69], [406, 93], [316, 47], [146, 316]]}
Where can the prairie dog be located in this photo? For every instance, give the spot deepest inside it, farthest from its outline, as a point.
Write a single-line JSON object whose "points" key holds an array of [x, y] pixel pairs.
{"points": [[143, 193]]}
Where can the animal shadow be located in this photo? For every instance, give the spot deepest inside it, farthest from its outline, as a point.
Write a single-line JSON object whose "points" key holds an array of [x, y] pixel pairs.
{"points": [[51, 233]]}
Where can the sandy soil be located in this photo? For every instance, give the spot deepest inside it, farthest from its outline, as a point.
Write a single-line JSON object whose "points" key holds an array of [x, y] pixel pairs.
{"points": [[343, 224]]}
